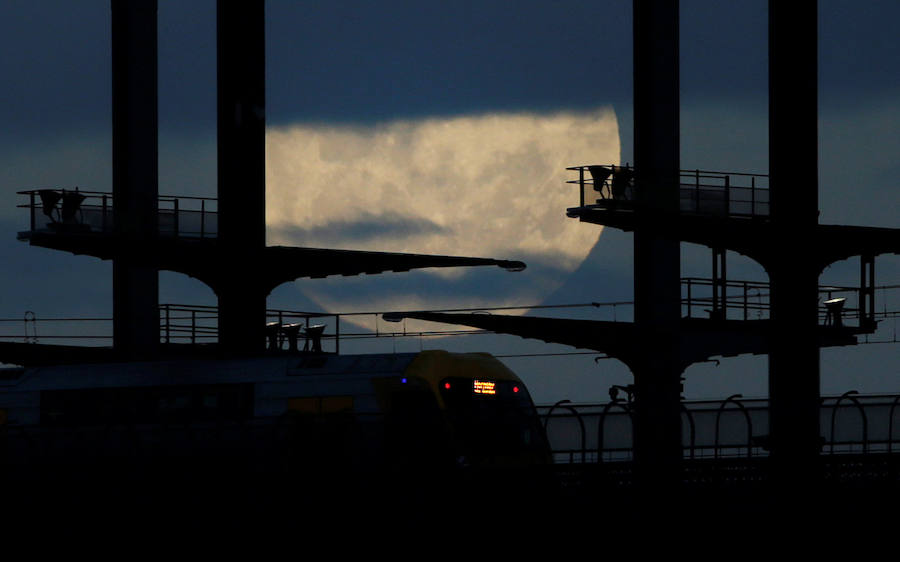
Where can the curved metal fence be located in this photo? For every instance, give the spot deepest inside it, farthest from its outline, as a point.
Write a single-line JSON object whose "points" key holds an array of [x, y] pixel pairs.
{"points": [[731, 428]]}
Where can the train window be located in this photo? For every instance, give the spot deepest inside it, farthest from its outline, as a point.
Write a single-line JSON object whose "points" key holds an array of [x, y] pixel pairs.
{"points": [[334, 404], [11, 373], [303, 405], [156, 404], [320, 404]]}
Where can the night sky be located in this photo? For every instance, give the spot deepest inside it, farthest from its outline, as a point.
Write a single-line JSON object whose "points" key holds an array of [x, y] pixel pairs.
{"points": [[352, 71]]}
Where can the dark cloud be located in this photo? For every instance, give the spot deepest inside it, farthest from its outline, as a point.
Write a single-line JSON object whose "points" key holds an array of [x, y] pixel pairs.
{"points": [[723, 49], [358, 61], [55, 64], [50, 283], [368, 227], [859, 51]]}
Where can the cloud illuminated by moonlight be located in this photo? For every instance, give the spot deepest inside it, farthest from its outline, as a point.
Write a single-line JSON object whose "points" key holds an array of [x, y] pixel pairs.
{"points": [[490, 185]]}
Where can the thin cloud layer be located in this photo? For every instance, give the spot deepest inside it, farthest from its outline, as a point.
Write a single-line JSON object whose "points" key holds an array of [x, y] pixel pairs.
{"points": [[490, 185]]}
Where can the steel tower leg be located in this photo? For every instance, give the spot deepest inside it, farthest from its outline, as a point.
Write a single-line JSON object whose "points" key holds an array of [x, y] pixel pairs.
{"points": [[793, 162], [241, 174], [135, 176], [657, 291]]}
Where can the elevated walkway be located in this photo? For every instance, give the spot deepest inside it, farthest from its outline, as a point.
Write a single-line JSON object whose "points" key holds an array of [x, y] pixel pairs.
{"points": [[718, 320], [69, 212], [719, 209], [185, 331], [82, 222], [701, 339], [701, 192]]}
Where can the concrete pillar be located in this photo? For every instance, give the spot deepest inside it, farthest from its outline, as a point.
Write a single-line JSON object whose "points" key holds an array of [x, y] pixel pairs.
{"points": [[135, 176], [793, 167], [241, 174], [657, 291]]}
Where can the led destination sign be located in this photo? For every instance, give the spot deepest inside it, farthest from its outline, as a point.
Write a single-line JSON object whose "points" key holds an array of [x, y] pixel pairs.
{"points": [[484, 387]]}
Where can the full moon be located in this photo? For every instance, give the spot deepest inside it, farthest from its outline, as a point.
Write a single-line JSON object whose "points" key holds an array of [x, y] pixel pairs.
{"points": [[489, 185]]}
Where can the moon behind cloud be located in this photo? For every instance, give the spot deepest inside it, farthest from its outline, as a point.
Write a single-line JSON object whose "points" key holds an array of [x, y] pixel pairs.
{"points": [[488, 186]]}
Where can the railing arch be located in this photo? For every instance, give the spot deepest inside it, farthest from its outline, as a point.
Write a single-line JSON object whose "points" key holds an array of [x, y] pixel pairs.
{"points": [[616, 402], [733, 399], [693, 433], [891, 423], [850, 395], [567, 405]]}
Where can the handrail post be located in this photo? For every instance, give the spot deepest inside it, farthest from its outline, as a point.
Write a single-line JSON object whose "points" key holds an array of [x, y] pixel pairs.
{"points": [[891, 424], [202, 218], [746, 303], [727, 196], [103, 222], [193, 327], [167, 324], [696, 191], [752, 196], [32, 210], [581, 184], [175, 201], [337, 334], [690, 304]]}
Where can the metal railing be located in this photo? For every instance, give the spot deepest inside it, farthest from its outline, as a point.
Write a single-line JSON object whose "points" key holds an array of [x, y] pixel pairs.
{"points": [[720, 429], [750, 300], [184, 324], [180, 323], [319, 332], [76, 211], [701, 192], [724, 193]]}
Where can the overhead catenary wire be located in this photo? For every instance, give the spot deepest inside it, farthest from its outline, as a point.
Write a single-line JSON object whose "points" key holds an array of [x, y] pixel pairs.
{"points": [[208, 315]]}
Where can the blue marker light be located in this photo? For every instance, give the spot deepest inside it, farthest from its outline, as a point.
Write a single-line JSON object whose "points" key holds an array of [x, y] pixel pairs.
{"points": [[403, 380]]}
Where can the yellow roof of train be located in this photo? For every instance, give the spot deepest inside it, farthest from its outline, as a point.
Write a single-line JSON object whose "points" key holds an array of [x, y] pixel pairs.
{"points": [[436, 365]]}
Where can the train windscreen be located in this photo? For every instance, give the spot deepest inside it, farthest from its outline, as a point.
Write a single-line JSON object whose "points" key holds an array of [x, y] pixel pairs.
{"points": [[493, 420]]}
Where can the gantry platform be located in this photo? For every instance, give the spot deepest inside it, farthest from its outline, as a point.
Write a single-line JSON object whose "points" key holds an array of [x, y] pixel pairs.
{"points": [[82, 222], [725, 211], [719, 319], [718, 209]]}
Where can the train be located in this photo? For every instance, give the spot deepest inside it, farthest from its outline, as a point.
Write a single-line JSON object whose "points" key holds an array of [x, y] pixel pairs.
{"points": [[287, 426]]}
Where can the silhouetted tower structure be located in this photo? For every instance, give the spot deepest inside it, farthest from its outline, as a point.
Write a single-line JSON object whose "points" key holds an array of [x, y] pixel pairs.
{"points": [[241, 68], [657, 255], [663, 206], [135, 176], [793, 271], [223, 243]]}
